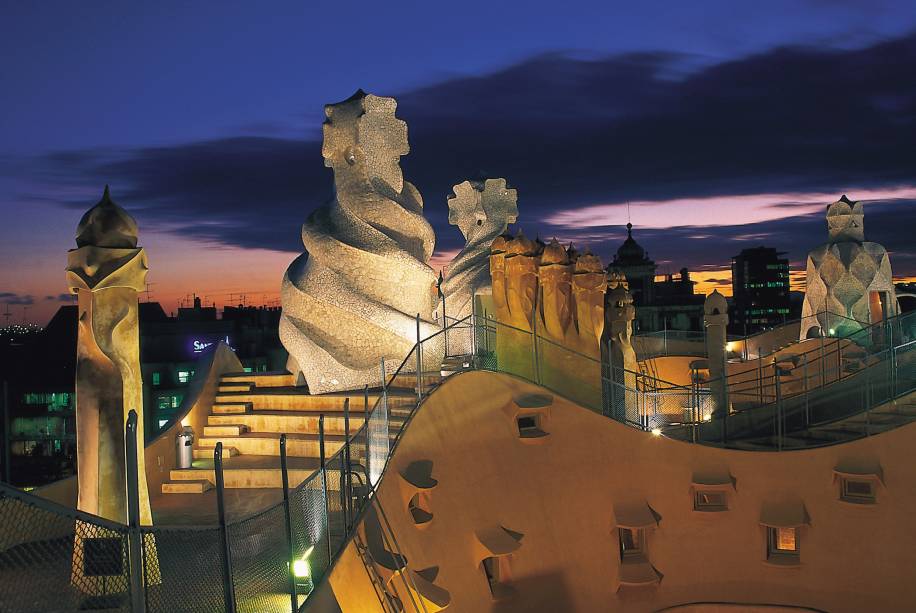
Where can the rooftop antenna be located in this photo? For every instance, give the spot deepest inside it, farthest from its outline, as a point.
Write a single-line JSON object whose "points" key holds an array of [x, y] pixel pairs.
{"points": [[628, 212], [149, 291]]}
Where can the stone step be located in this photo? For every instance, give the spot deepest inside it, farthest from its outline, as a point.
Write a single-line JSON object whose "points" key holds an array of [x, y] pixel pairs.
{"points": [[283, 399], [234, 429], [408, 381], [198, 486], [290, 422], [207, 454], [260, 379], [233, 387], [268, 444], [243, 478], [232, 408]]}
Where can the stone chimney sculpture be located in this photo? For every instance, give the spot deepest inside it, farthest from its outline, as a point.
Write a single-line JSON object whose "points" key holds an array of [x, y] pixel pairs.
{"points": [[849, 280], [619, 354], [619, 315], [353, 297], [715, 316], [482, 210], [557, 295], [106, 271]]}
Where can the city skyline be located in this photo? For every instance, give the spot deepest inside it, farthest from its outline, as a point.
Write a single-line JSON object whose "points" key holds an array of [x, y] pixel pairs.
{"points": [[717, 142]]}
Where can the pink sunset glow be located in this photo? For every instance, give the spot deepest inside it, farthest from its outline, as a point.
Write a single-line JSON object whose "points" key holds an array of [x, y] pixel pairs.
{"points": [[716, 210]]}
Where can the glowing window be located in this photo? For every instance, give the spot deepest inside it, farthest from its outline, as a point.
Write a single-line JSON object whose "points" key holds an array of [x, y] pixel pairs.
{"points": [[184, 376], [782, 545], [156, 378]]}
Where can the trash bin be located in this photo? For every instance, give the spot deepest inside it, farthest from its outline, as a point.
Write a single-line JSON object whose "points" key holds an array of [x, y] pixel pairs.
{"points": [[184, 448]]}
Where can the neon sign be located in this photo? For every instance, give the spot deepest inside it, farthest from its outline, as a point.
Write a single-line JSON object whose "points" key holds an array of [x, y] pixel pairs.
{"points": [[197, 346]]}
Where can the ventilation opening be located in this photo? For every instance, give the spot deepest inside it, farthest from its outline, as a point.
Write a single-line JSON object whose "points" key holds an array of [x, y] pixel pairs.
{"points": [[496, 570], [710, 501], [529, 426], [859, 491], [419, 511], [632, 544]]}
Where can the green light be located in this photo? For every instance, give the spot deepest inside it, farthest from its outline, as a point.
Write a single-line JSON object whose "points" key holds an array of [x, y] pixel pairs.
{"points": [[301, 569]]}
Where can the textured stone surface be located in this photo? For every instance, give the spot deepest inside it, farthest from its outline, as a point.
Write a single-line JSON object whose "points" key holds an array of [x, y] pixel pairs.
{"points": [[482, 210], [352, 298], [559, 294], [842, 274], [619, 315], [106, 272]]}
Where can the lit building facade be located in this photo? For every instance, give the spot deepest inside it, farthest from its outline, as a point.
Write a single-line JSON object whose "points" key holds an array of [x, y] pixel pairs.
{"points": [[760, 289]]}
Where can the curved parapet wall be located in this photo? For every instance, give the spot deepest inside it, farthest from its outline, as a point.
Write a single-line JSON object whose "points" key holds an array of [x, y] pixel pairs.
{"points": [[701, 517], [352, 298]]}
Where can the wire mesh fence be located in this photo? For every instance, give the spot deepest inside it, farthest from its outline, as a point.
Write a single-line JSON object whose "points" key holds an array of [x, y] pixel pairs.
{"points": [[260, 563], [183, 569], [56, 559]]}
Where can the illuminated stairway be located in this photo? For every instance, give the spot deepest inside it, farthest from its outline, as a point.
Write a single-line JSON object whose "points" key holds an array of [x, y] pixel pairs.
{"points": [[252, 410]]}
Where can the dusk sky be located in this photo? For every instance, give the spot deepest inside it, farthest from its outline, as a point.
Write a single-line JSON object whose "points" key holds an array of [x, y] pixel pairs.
{"points": [[725, 124]]}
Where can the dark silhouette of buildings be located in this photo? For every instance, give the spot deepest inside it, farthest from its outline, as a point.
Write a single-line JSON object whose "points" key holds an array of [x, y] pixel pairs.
{"points": [[760, 289], [40, 371], [670, 304]]}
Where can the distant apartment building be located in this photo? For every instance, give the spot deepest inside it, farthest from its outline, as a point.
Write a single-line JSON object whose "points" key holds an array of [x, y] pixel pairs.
{"points": [[760, 289], [40, 373]]}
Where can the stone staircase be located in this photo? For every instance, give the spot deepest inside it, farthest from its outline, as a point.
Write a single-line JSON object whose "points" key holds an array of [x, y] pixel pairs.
{"points": [[252, 410], [867, 423]]}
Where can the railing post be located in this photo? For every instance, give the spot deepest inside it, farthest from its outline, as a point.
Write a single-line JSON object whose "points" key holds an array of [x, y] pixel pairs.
{"points": [[324, 484], [445, 323], [534, 337], [135, 537], [779, 424], [228, 585], [893, 359], [419, 365], [759, 378], [284, 473], [868, 397], [366, 418], [612, 409], [805, 378], [345, 473], [665, 319], [6, 432], [473, 327]]}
